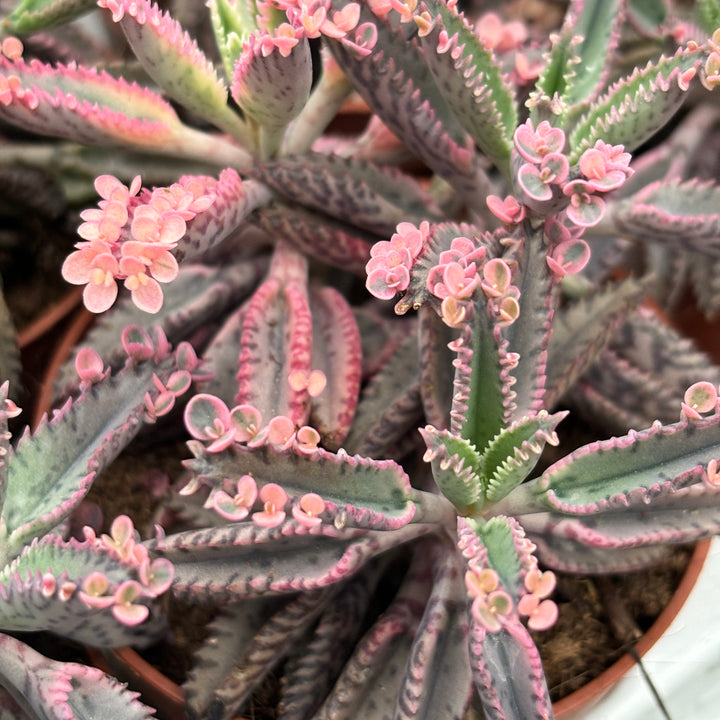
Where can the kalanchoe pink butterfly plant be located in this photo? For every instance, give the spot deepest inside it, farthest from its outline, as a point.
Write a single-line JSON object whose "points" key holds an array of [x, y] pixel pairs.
{"points": [[384, 572]]}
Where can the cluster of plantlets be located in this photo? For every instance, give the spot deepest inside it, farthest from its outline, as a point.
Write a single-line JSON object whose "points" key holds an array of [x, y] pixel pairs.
{"points": [[310, 497]]}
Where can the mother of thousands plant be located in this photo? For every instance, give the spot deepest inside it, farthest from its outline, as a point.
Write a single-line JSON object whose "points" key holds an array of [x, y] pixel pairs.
{"points": [[310, 497]]}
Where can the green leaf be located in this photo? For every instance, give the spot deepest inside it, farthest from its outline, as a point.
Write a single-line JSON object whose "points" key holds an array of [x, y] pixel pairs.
{"points": [[557, 76], [30, 16], [708, 13], [457, 469], [471, 82], [635, 108], [513, 454], [498, 537]]}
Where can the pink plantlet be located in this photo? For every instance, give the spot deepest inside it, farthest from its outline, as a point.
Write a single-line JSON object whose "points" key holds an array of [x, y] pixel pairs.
{"points": [[149, 225], [496, 277], [585, 209], [103, 225], [569, 257], [89, 366], [144, 290], [480, 582], [93, 591], [206, 418], [314, 382], [500, 36], [137, 343], [508, 310], [159, 261], [606, 167], [535, 143], [48, 584], [711, 72], [308, 509], [306, 440], [280, 432], [95, 268], [509, 210], [537, 182], [274, 499], [121, 540], [453, 311], [541, 615], [490, 610], [700, 397], [364, 39], [156, 576], [540, 583], [12, 48], [237, 507], [386, 280], [526, 69], [711, 477], [124, 608], [66, 590], [246, 421]]}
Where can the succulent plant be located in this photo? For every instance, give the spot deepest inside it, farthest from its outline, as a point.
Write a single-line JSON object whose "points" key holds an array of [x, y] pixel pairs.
{"points": [[393, 573]]}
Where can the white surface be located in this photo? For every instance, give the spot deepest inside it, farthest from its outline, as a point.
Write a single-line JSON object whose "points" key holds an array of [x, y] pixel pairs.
{"points": [[684, 664]]}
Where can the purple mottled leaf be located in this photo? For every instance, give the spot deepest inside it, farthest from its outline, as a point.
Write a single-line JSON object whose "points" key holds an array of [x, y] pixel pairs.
{"points": [[230, 633], [508, 673], [381, 336], [64, 691], [471, 81], [353, 191], [337, 352], [390, 404], [32, 594], [397, 85], [438, 677], [704, 275], [235, 200], [582, 329], [674, 212], [564, 554], [313, 669], [325, 239], [243, 560], [371, 682], [272, 643]]}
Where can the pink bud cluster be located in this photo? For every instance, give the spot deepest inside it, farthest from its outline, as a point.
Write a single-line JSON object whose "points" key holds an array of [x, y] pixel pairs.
{"points": [[545, 178], [388, 269], [130, 236], [236, 502], [462, 269], [11, 88], [124, 599], [207, 418], [710, 77], [311, 19], [492, 606]]}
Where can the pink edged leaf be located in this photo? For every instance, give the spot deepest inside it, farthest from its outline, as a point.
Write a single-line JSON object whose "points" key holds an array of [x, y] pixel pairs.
{"points": [[646, 469], [69, 587], [673, 212], [337, 353], [89, 106], [569, 257], [350, 190], [64, 689], [411, 105], [244, 560], [532, 183], [276, 340], [89, 365], [360, 491], [207, 417], [272, 88], [174, 60]]}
